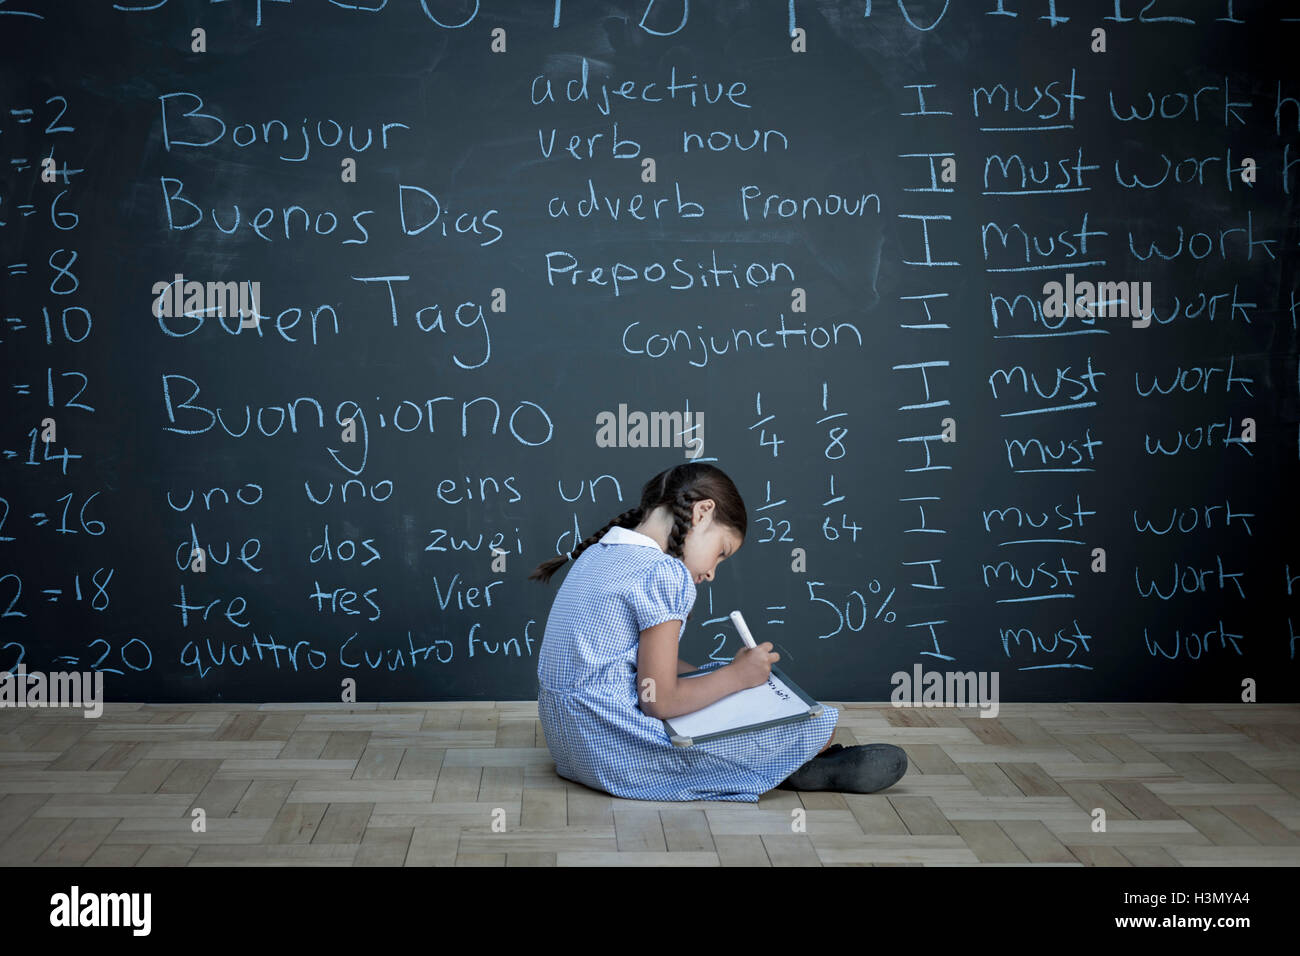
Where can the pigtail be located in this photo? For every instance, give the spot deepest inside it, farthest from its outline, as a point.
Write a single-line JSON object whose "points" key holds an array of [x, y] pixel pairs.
{"points": [[628, 519], [681, 506], [678, 489]]}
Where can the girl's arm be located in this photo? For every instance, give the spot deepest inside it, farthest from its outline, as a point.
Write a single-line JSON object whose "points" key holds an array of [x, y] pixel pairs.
{"points": [[683, 667], [659, 693]]}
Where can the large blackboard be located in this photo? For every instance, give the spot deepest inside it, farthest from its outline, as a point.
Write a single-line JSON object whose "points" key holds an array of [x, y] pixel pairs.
{"points": [[504, 269]]}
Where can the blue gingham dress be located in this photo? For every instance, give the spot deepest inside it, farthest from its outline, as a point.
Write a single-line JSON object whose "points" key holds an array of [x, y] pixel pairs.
{"points": [[587, 693]]}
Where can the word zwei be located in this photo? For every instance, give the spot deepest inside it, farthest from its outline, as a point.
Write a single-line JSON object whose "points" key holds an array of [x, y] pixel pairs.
{"points": [[103, 909], [180, 298]]}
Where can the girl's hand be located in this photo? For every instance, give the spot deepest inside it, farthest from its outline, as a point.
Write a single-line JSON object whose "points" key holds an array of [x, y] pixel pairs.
{"points": [[755, 663]]}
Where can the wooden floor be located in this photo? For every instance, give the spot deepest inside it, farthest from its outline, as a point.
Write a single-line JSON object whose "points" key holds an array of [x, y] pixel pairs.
{"points": [[421, 784]]}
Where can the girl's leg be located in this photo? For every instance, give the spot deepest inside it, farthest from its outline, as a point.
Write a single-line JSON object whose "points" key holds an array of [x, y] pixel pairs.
{"points": [[828, 742]]}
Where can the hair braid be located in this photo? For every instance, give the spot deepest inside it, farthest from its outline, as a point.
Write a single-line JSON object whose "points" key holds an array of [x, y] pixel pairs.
{"points": [[681, 507], [628, 519], [677, 489]]}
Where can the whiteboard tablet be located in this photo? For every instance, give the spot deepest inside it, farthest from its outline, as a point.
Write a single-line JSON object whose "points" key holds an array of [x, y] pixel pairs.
{"points": [[778, 701]]}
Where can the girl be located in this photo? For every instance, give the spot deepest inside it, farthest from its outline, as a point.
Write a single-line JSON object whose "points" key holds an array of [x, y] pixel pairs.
{"points": [[608, 665]]}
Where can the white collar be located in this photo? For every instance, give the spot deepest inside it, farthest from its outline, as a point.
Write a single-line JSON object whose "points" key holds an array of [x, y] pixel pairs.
{"points": [[620, 535]]}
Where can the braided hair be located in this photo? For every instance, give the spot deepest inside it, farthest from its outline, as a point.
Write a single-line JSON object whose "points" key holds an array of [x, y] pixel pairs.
{"points": [[678, 488]]}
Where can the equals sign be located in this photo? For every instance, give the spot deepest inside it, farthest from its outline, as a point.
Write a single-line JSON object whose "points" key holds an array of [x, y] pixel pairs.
{"points": [[19, 162], [39, 517], [23, 389], [15, 321], [776, 607], [26, 208], [18, 268], [55, 592], [67, 657], [10, 454], [24, 116]]}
